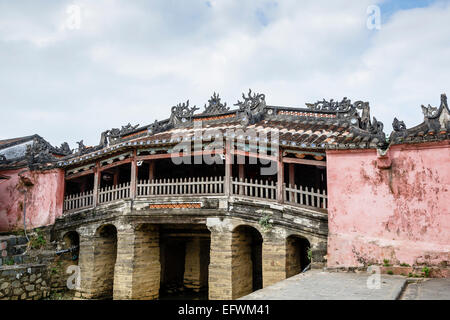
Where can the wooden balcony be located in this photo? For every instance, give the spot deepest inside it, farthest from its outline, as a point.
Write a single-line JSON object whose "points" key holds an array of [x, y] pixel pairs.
{"points": [[209, 186]]}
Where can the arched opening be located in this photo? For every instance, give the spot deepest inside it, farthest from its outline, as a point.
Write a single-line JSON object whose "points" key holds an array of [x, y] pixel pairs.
{"points": [[66, 256], [246, 261], [105, 253], [184, 252], [297, 258], [71, 246]]}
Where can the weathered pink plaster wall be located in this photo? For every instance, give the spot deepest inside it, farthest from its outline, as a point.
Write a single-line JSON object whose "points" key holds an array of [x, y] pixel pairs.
{"points": [[400, 213], [44, 199]]}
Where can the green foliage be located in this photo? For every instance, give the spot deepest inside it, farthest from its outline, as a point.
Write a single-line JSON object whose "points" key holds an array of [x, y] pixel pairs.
{"points": [[9, 262], [38, 241], [426, 272], [386, 263], [310, 254], [404, 265], [265, 222], [54, 270], [55, 296], [390, 272]]}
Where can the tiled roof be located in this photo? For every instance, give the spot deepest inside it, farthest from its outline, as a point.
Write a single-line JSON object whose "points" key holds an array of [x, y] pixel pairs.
{"points": [[435, 126], [322, 125]]}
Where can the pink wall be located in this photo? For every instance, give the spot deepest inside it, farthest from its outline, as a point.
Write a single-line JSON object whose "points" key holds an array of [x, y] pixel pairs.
{"points": [[44, 199], [400, 213]]}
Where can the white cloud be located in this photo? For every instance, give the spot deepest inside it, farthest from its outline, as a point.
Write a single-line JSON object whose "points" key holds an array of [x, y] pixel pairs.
{"points": [[131, 61]]}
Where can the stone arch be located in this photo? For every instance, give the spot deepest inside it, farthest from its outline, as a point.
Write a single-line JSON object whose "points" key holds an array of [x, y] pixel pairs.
{"points": [[247, 273], [297, 258], [105, 253], [71, 241]]}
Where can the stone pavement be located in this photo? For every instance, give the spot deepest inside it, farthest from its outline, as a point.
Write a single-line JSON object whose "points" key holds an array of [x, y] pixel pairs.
{"points": [[320, 285], [428, 289]]}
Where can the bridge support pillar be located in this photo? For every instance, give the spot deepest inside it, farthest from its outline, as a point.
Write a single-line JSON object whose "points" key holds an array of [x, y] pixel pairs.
{"points": [[220, 265], [138, 268], [274, 259], [86, 263]]}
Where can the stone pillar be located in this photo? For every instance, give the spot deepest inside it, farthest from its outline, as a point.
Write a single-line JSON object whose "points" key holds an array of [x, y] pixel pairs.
{"points": [[242, 276], [318, 254], [123, 271], [194, 267], [293, 258], [138, 269], [86, 263], [96, 262], [220, 265], [274, 258], [147, 266]]}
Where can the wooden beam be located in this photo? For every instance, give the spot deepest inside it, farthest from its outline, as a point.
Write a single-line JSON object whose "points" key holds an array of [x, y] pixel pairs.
{"points": [[254, 155], [115, 164], [79, 174], [178, 154], [305, 161]]}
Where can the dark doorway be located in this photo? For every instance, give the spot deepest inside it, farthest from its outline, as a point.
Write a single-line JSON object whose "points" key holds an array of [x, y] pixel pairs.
{"points": [[184, 257], [297, 255]]}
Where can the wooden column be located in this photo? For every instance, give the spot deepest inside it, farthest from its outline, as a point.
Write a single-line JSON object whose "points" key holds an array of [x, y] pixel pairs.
{"points": [[83, 186], [241, 177], [291, 179], [133, 176], [116, 176], [228, 163], [280, 180], [151, 170], [97, 175]]}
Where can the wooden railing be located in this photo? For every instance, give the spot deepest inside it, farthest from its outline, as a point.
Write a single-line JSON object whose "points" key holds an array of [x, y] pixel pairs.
{"points": [[259, 189], [79, 201], [182, 187], [112, 193], [305, 196], [254, 189]]}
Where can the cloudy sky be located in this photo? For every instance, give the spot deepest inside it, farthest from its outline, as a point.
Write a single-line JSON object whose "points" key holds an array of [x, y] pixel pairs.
{"points": [[129, 61]]}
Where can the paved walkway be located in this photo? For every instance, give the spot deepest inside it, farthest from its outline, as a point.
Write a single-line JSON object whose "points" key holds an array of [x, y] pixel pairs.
{"points": [[428, 289], [321, 285]]}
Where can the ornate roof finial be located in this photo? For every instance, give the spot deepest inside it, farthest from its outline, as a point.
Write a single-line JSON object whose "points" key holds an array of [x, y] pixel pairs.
{"points": [[324, 105], [64, 149], [398, 125], [215, 106], [444, 100], [255, 102], [182, 113], [429, 111]]}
